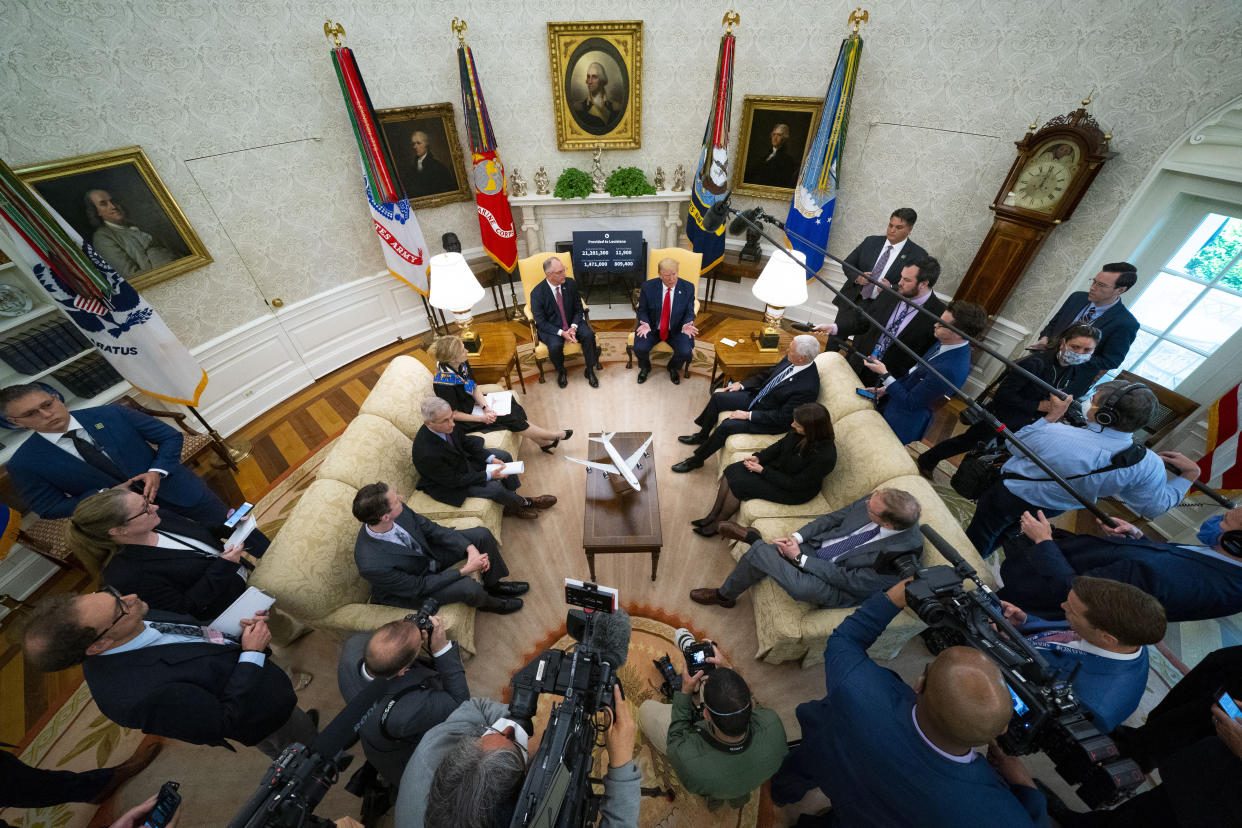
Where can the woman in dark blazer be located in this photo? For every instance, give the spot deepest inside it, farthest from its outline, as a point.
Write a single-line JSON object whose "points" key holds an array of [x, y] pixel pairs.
{"points": [[789, 471], [454, 383], [169, 561]]}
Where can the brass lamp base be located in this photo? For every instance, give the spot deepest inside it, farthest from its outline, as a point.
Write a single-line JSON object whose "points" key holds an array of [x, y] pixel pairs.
{"points": [[472, 341], [769, 340]]}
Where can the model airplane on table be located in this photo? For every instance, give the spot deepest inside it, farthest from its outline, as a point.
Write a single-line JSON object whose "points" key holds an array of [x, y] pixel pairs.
{"points": [[624, 467]]}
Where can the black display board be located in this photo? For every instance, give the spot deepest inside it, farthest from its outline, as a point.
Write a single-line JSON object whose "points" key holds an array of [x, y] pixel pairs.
{"points": [[607, 251]]}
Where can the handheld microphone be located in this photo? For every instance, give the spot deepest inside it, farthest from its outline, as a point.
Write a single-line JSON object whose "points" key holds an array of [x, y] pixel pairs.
{"points": [[744, 220]]}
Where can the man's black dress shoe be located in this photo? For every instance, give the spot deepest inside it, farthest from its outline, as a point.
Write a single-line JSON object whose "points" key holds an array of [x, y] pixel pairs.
{"points": [[689, 464], [643, 373], [592, 380], [562, 379], [675, 376], [509, 589], [693, 439], [501, 606]]}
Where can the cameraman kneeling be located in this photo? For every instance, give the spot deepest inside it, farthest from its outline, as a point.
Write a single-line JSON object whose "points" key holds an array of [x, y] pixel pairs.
{"points": [[886, 754], [468, 771], [733, 748], [421, 694]]}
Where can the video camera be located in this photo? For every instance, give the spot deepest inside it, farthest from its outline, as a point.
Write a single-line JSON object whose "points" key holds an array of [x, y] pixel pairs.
{"points": [[557, 790], [1046, 715]]}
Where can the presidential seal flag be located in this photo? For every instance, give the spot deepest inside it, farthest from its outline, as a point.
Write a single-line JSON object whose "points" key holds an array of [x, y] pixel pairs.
{"points": [[815, 192], [491, 193], [712, 178], [117, 321], [401, 239]]}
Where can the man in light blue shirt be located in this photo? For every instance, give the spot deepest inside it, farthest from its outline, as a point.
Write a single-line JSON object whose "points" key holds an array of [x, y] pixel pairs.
{"points": [[1094, 460]]}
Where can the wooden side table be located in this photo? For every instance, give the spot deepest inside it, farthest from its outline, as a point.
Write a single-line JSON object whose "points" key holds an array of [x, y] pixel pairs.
{"points": [[743, 359]]}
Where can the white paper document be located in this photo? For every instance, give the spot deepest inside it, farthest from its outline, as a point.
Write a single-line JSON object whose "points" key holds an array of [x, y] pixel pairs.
{"points": [[516, 467], [726, 341], [246, 605], [500, 401], [242, 531]]}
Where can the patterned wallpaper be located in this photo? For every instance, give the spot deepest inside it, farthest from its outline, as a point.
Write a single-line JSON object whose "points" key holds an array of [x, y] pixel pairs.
{"points": [[238, 108]]}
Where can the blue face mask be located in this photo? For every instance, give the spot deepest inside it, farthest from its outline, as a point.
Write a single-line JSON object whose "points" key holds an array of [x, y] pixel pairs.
{"points": [[1210, 531]]}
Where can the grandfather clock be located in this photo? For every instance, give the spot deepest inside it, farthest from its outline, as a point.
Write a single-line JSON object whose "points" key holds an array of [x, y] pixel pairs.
{"points": [[1055, 166]]}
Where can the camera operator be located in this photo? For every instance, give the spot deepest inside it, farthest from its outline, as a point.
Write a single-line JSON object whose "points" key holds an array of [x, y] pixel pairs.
{"points": [[467, 772], [421, 693], [886, 754], [729, 749]]}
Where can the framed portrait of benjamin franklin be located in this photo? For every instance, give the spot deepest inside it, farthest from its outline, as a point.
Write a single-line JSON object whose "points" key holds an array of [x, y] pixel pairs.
{"points": [[117, 202], [597, 73], [426, 153], [775, 134]]}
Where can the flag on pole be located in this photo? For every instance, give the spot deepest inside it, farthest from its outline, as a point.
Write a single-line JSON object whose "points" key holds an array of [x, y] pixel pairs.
{"points": [[815, 192], [712, 178], [383, 186], [117, 321], [491, 193], [401, 239], [1220, 466]]}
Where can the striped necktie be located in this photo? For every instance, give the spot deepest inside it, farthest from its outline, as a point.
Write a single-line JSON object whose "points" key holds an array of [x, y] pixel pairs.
{"points": [[835, 550], [191, 631], [772, 383]]}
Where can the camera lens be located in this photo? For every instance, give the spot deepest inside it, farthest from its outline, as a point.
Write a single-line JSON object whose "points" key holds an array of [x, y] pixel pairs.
{"points": [[683, 638]]}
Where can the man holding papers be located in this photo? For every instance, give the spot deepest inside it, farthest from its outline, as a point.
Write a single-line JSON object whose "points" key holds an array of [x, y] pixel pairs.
{"points": [[453, 465]]}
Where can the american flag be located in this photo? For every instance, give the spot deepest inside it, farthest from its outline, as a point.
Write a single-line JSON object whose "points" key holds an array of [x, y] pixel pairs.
{"points": [[1220, 466]]}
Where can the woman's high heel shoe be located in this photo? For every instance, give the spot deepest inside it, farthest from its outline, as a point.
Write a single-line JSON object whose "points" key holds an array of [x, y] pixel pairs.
{"points": [[569, 432]]}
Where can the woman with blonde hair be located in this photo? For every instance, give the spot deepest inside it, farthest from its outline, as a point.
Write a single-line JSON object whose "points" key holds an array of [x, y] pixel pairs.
{"points": [[454, 383]]}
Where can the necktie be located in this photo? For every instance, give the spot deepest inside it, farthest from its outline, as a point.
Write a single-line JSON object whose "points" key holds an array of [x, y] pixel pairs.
{"points": [[772, 383], [1054, 637], [877, 271], [900, 315], [1088, 314], [94, 456], [190, 631], [665, 312], [835, 550], [560, 304]]}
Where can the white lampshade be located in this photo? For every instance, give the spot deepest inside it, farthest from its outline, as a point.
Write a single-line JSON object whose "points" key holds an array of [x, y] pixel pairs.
{"points": [[782, 284], [453, 285]]}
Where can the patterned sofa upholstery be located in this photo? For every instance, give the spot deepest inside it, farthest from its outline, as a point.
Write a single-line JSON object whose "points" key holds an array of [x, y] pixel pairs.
{"points": [[310, 565], [868, 458]]}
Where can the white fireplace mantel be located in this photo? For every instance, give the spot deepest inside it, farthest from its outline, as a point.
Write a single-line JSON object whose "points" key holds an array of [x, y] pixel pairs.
{"points": [[546, 219]]}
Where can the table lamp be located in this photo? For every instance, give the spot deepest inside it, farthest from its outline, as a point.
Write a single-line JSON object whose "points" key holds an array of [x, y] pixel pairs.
{"points": [[454, 288], [780, 285]]}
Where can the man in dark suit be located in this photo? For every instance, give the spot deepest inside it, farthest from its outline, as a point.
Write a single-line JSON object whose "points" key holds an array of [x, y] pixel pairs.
{"points": [[425, 175], [830, 562], [407, 559], [421, 692], [73, 455], [908, 403], [776, 167], [899, 320], [877, 257], [559, 318], [1194, 583], [453, 465], [762, 404], [665, 314], [168, 676], [1100, 306]]}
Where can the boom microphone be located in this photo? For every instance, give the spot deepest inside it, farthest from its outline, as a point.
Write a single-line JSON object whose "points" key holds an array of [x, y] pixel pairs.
{"points": [[610, 636], [744, 220], [716, 214]]}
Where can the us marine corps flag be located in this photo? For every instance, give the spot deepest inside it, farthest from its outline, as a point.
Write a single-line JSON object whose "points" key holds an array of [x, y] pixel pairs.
{"points": [[815, 192], [712, 178], [491, 192]]}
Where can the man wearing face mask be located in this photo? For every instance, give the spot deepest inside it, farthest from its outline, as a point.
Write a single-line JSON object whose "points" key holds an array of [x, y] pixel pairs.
{"points": [[1194, 582]]}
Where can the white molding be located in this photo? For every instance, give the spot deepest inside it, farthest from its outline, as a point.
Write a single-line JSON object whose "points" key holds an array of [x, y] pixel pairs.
{"points": [[658, 216], [23, 571]]}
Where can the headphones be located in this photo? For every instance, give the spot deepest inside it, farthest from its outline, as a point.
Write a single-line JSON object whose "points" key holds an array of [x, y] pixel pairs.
{"points": [[42, 386], [1231, 542], [1106, 414]]}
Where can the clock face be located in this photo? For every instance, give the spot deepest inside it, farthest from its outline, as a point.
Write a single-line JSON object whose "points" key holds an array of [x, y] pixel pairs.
{"points": [[1047, 176]]}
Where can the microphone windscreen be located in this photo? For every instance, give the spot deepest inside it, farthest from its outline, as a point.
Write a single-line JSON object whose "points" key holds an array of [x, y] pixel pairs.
{"points": [[716, 214], [612, 637], [742, 222]]}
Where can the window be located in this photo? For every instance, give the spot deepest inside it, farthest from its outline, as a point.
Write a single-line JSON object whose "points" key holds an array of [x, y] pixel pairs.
{"points": [[1193, 306]]}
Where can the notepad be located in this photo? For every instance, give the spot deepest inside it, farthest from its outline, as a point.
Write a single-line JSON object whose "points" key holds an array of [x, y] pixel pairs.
{"points": [[246, 605], [516, 467], [242, 531], [500, 401], [727, 341]]}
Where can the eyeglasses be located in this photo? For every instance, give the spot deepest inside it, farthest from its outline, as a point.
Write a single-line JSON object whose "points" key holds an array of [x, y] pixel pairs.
{"points": [[120, 608], [146, 510], [1099, 284], [521, 750]]}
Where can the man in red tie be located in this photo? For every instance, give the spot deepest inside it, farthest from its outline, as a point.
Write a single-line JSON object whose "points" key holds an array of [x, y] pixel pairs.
{"points": [[560, 318], [665, 314]]}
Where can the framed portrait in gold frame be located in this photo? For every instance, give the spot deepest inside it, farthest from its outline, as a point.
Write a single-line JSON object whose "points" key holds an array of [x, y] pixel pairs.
{"points": [[776, 131], [597, 74], [118, 202], [427, 153]]}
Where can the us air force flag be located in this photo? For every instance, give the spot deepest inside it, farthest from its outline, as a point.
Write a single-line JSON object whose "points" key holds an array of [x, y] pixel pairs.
{"points": [[401, 239], [815, 192], [712, 178]]}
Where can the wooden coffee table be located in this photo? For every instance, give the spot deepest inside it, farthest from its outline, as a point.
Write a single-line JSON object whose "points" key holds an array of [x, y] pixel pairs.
{"points": [[622, 522], [738, 362], [497, 359]]}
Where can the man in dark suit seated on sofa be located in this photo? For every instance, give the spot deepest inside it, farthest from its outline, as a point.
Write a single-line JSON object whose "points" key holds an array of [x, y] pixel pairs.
{"points": [[762, 404], [407, 559], [665, 314], [830, 562], [1193, 582], [453, 465]]}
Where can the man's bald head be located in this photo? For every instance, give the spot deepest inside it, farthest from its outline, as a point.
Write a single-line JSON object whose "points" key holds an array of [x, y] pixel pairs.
{"points": [[392, 648], [964, 695]]}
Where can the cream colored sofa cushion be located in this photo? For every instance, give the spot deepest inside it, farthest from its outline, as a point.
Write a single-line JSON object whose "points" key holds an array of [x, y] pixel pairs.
{"points": [[372, 450], [402, 387]]}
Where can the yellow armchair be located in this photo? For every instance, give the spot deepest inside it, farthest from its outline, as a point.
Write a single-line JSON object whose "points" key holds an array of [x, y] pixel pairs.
{"points": [[530, 271], [689, 264]]}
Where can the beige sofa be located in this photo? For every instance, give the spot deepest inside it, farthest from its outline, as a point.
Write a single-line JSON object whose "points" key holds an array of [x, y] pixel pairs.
{"points": [[868, 458], [310, 565]]}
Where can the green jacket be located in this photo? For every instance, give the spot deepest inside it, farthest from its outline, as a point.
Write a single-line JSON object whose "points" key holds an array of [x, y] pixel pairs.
{"points": [[718, 776]]}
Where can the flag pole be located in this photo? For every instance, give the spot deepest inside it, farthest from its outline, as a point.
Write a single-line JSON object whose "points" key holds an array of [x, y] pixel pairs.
{"points": [[231, 453]]}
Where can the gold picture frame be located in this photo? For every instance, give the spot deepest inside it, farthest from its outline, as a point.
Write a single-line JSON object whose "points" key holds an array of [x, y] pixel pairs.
{"points": [[609, 109], [132, 186], [759, 171], [438, 182]]}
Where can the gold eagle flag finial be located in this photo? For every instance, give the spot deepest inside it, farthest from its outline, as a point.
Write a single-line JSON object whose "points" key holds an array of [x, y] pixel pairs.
{"points": [[858, 15], [333, 32], [730, 20], [459, 29]]}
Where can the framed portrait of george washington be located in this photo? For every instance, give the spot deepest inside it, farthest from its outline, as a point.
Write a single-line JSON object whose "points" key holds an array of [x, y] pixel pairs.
{"points": [[426, 153], [772, 143], [597, 73], [117, 202]]}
